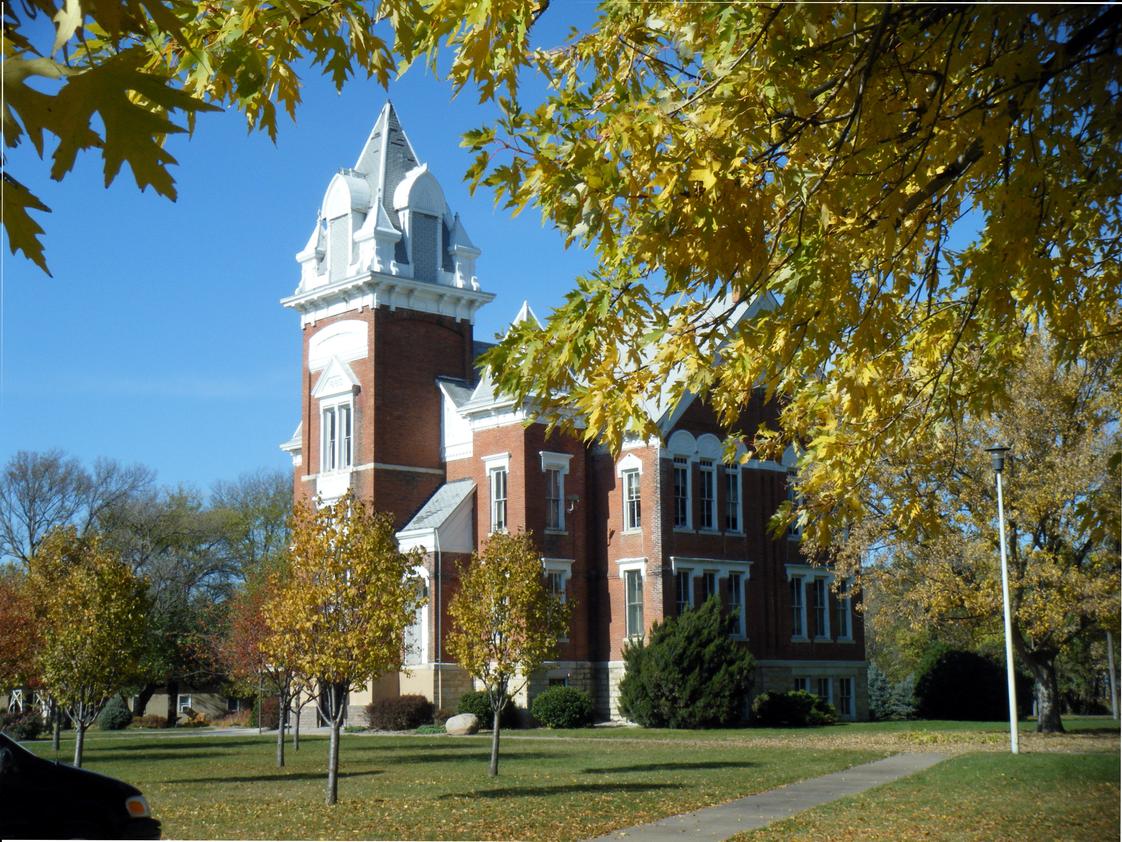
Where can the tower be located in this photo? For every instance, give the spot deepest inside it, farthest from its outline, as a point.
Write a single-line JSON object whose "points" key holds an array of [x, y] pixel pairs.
{"points": [[387, 298]]}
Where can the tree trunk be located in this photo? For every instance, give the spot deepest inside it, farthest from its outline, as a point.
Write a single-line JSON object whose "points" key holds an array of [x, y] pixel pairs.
{"points": [[173, 703], [494, 770], [335, 699], [56, 725], [142, 699], [296, 730], [1047, 695], [282, 715], [79, 741]]}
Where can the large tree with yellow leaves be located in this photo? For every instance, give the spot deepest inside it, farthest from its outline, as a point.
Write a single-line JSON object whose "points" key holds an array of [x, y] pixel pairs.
{"points": [[336, 614], [912, 186], [1062, 509]]}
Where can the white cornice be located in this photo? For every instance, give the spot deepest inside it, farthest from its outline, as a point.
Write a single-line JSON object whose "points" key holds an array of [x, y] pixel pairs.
{"points": [[374, 289]]}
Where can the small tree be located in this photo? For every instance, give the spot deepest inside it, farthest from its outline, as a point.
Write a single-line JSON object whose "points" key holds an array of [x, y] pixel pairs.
{"points": [[506, 622], [690, 674], [93, 612], [339, 612], [19, 633]]}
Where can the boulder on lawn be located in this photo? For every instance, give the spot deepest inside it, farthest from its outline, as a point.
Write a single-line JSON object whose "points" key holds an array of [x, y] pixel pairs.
{"points": [[462, 724]]}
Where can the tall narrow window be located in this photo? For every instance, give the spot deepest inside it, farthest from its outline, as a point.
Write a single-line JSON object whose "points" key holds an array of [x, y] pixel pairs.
{"points": [[732, 499], [681, 492], [554, 496], [824, 689], [708, 513], [345, 448], [802, 683], [633, 582], [841, 616], [798, 609], [498, 499], [710, 580], [736, 602], [632, 513], [330, 440], [555, 584], [821, 608], [845, 697], [683, 590]]}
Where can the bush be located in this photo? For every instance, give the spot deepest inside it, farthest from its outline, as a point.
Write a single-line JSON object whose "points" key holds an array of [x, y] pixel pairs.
{"points": [[954, 684], [479, 703], [237, 719], [115, 715], [22, 725], [403, 713], [150, 720], [690, 674], [193, 719], [266, 713], [562, 707], [823, 713], [791, 708], [431, 729], [442, 715]]}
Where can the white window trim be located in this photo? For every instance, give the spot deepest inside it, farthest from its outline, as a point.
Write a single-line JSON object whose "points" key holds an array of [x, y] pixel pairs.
{"points": [[559, 462], [829, 687], [689, 587], [711, 469], [688, 465], [630, 565], [801, 577], [627, 465], [564, 566], [820, 635], [335, 404], [731, 469], [180, 706], [845, 603], [743, 614], [491, 464], [849, 713]]}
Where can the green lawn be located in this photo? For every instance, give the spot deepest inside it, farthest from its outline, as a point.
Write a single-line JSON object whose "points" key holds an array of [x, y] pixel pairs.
{"points": [[985, 797], [207, 786]]}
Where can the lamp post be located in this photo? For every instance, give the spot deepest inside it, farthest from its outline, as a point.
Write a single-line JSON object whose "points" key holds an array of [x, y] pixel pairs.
{"points": [[997, 457]]}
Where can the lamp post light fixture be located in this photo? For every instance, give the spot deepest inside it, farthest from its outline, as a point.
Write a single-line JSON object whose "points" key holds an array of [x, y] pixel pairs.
{"points": [[997, 457]]}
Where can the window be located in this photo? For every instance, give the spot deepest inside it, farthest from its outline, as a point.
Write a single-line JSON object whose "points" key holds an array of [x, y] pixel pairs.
{"points": [[710, 580], [824, 689], [736, 603], [554, 500], [798, 608], [633, 584], [842, 607], [821, 608], [183, 702], [556, 573], [681, 492], [632, 513], [802, 683], [559, 681], [498, 499], [337, 451], [555, 584], [845, 697], [732, 499], [708, 519], [683, 588]]}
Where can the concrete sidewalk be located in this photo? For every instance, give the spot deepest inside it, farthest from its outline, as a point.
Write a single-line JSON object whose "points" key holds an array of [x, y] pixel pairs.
{"points": [[755, 811]]}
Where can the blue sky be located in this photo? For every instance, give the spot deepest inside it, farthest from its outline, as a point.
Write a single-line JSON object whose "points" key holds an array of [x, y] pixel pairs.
{"points": [[160, 338]]}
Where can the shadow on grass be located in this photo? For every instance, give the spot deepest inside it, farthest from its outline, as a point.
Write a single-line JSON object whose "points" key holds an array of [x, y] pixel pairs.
{"points": [[674, 767], [563, 789], [277, 776], [480, 756], [180, 744], [113, 757]]}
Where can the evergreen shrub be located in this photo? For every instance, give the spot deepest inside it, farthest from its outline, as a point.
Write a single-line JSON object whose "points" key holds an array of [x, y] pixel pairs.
{"points": [[888, 700], [790, 708], [562, 707], [403, 713], [690, 674], [479, 703], [26, 724], [115, 715]]}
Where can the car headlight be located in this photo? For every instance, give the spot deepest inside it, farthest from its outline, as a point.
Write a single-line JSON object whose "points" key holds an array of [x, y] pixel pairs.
{"points": [[137, 807]]}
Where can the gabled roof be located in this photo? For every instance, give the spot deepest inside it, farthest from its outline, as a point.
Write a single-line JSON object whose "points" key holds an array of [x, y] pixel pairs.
{"points": [[437, 509], [457, 391], [337, 378]]}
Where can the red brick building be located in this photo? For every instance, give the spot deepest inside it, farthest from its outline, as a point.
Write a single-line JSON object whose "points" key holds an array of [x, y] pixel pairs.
{"points": [[395, 407]]}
